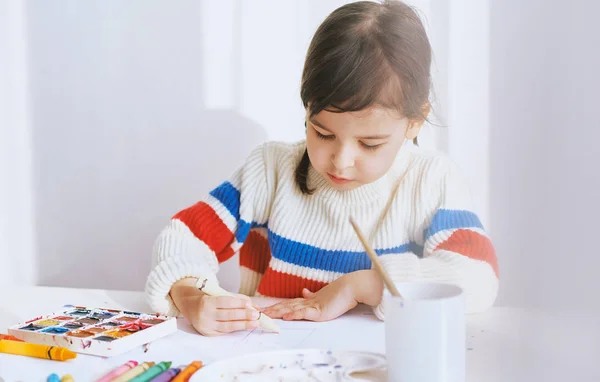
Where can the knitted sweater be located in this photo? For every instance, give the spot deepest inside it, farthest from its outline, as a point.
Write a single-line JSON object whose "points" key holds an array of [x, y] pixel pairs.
{"points": [[288, 240]]}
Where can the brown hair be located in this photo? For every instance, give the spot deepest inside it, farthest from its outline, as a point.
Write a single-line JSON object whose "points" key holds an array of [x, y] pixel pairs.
{"points": [[364, 54]]}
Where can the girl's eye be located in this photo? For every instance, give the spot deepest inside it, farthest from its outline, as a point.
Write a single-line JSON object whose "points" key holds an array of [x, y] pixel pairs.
{"points": [[372, 147], [325, 137]]}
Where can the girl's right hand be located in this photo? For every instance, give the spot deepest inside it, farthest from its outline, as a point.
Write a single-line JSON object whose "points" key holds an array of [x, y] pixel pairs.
{"points": [[213, 315]]}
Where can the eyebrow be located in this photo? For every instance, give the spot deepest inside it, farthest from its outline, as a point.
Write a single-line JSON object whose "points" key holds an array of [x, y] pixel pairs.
{"points": [[381, 136]]}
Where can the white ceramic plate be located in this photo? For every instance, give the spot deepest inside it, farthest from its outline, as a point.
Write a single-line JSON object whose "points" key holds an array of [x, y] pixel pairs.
{"points": [[297, 365]]}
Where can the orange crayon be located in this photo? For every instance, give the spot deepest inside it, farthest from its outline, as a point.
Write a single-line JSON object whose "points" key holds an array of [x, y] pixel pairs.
{"points": [[7, 337], [35, 350], [187, 373]]}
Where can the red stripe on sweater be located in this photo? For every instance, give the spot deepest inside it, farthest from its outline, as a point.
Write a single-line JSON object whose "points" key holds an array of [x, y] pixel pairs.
{"points": [[473, 245], [255, 254], [206, 225], [284, 285]]}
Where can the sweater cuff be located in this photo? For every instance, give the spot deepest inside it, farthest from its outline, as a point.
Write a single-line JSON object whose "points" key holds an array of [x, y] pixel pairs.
{"points": [[476, 278], [165, 274]]}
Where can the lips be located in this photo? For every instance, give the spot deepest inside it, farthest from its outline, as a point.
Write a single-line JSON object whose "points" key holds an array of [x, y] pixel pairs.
{"points": [[337, 180]]}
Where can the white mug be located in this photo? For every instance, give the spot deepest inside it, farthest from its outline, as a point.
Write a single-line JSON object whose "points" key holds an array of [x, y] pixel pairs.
{"points": [[425, 333]]}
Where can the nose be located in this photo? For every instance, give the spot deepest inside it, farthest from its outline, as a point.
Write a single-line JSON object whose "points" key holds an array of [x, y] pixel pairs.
{"points": [[343, 157]]}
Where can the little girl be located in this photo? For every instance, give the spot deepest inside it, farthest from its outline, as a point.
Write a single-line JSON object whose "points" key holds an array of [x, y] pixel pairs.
{"points": [[365, 88]]}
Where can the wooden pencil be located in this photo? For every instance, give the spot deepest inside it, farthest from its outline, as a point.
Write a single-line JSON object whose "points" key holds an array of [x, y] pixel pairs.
{"points": [[375, 260]]}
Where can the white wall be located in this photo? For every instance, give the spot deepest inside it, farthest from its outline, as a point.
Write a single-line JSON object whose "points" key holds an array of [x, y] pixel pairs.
{"points": [[468, 98], [139, 108], [544, 145], [123, 136], [17, 241]]}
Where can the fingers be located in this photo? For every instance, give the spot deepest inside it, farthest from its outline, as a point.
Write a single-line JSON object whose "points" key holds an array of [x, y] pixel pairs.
{"points": [[303, 313], [234, 326], [247, 298], [281, 308], [217, 315], [278, 313], [236, 315], [229, 302], [310, 313], [296, 309], [221, 321]]}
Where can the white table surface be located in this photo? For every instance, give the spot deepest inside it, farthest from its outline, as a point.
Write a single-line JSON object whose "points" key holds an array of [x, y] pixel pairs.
{"points": [[504, 344]]}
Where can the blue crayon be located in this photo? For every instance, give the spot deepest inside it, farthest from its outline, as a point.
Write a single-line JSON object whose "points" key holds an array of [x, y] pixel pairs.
{"points": [[53, 378]]}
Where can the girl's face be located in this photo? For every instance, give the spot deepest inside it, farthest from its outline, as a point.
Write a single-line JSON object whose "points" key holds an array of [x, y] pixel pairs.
{"points": [[352, 149]]}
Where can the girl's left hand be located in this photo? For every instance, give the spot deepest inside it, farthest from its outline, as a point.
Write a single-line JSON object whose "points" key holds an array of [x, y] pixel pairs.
{"points": [[328, 303]]}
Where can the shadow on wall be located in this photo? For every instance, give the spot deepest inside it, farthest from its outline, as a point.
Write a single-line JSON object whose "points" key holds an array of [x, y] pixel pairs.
{"points": [[102, 201], [121, 138]]}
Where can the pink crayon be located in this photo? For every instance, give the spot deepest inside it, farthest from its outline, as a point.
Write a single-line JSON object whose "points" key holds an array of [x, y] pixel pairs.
{"points": [[118, 371], [167, 375]]}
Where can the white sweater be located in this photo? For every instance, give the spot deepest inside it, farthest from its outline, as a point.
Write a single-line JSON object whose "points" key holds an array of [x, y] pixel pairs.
{"points": [[288, 240]]}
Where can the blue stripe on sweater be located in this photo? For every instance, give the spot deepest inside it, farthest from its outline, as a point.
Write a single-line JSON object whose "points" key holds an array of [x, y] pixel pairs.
{"points": [[339, 261], [452, 219], [229, 196]]}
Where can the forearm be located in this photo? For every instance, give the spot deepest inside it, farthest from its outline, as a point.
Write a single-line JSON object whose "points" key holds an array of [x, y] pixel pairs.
{"points": [[177, 254]]}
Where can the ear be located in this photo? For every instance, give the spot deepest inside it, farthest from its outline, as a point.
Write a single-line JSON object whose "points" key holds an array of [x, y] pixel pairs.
{"points": [[306, 118], [414, 126]]}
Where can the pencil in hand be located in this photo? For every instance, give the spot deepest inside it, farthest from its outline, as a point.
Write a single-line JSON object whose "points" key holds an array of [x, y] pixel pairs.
{"points": [[375, 260]]}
